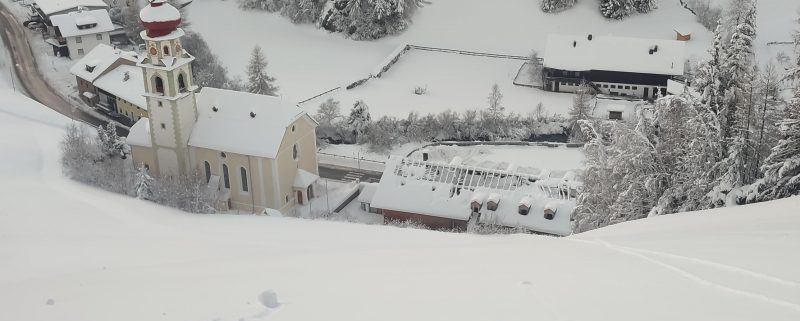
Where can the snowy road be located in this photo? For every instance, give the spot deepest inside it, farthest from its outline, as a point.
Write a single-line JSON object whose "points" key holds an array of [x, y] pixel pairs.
{"points": [[16, 42]]}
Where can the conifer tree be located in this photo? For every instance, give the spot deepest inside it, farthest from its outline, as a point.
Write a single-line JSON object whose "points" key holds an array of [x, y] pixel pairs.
{"points": [[616, 9], [258, 82]]}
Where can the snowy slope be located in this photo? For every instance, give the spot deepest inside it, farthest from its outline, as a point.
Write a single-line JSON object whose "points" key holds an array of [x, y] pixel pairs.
{"points": [[70, 252]]}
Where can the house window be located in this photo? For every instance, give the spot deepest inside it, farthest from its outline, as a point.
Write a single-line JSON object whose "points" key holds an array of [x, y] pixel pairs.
{"points": [[80, 52], [208, 171], [627, 87], [163, 126], [181, 83], [78, 40], [159, 85], [635, 88], [243, 172], [225, 177], [614, 86], [605, 86], [295, 152], [99, 36], [615, 115]]}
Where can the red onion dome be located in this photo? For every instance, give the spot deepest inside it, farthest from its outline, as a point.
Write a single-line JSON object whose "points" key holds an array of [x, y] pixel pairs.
{"points": [[159, 18]]}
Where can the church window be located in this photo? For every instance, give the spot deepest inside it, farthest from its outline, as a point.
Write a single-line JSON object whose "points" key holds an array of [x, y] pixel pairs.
{"points": [[159, 85], [181, 83], [222, 154], [295, 152], [293, 128], [160, 104], [225, 177], [163, 126], [243, 172], [166, 50], [208, 170]]}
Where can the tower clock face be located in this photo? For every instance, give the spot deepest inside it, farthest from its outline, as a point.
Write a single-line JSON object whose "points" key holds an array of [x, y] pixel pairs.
{"points": [[153, 51], [178, 48]]}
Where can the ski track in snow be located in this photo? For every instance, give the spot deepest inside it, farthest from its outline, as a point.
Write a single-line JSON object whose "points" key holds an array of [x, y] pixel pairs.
{"points": [[639, 253]]}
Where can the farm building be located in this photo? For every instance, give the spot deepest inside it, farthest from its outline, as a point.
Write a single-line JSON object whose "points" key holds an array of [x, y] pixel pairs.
{"points": [[77, 32], [453, 196], [616, 66]]}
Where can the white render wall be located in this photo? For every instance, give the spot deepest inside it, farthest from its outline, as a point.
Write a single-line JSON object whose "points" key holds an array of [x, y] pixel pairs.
{"points": [[88, 42]]}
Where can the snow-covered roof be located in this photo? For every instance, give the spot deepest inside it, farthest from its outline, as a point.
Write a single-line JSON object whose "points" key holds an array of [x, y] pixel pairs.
{"points": [[49, 7], [304, 178], [231, 128], [99, 60], [578, 53], [126, 82], [68, 23], [678, 88], [442, 190], [139, 135]]}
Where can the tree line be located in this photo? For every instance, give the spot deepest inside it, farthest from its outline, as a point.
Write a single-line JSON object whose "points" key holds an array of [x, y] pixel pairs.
{"points": [[487, 124], [357, 19]]}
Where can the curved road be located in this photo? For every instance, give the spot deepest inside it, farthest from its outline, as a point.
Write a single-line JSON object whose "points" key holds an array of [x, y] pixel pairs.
{"points": [[13, 34]]}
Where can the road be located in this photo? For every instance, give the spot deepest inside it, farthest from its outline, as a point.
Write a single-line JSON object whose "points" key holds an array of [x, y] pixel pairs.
{"points": [[22, 57], [348, 174]]}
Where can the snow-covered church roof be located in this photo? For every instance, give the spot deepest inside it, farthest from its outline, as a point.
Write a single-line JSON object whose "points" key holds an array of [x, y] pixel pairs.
{"points": [[444, 190], [242, 123], [608, 53], [139, 135]]}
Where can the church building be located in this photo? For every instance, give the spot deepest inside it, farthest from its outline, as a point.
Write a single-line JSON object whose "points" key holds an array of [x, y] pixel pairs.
{"points": [[255, 151]]}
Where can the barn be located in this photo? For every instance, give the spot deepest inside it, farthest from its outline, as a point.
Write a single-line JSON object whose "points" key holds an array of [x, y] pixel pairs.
{"points": [[617, 66]]}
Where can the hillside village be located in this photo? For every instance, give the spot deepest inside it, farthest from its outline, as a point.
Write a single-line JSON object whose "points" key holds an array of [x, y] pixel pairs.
{"points": [[386, 118]]}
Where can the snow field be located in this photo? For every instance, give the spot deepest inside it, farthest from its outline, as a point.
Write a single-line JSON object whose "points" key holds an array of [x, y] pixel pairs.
{"points": [[99, 256]]}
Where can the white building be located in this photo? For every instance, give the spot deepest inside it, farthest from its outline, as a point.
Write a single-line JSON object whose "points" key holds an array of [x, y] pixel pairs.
{"points": [[617, 66], [78, 32]]}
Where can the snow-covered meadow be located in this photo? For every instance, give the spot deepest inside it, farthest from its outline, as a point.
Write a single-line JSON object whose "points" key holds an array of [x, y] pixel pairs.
{"points": [[72, 252]]}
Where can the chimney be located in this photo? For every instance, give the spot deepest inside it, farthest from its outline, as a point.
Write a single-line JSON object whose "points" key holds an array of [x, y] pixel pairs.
{"points": [[214, 108], [651, 51], [252, 115], [590, 37], [655, 48], [126, 76], [574, 43]]}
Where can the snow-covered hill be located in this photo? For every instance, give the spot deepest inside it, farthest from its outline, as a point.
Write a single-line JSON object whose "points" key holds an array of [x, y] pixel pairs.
{"points": [[70, 252]]}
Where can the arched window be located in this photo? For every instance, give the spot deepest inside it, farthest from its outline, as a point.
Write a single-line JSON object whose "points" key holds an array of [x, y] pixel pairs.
{"points": [[295, 152], [166, 50], [181, 83], [225, 177], [159, 85], [208, 171], [244, 179]]}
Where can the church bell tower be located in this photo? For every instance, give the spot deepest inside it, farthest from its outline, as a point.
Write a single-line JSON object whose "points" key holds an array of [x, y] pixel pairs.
{"points": [[169, 87]]}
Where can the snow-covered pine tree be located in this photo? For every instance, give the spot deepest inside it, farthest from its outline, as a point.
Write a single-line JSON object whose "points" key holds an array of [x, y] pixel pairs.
{"points": [[258, 82], [579, 111], [110, 142], [206, 67], [645, 6], [767, 104], [557, 5], [359, 120], [143, 184], [782, 167], [616, 9], [736, 82], [540, 112]]}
